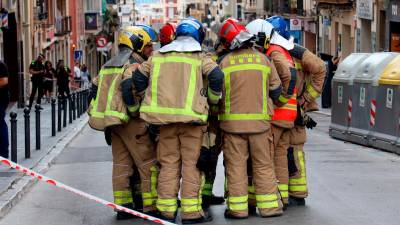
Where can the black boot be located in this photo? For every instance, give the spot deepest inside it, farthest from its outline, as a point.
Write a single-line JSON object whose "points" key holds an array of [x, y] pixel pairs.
{"points": [[293, 201], [252, 209], [206, 218], [229, 215], [206, 201], [123, 215], [217, 200]]}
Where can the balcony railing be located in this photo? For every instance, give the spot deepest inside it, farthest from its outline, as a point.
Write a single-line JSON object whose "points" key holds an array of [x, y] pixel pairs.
{"points": [[63, 26]]}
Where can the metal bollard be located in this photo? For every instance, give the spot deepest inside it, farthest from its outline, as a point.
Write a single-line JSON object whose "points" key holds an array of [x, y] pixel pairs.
{"points": [[73, 96], [13, 121], [59, 113], [70, 109], [78, 101], [53, 117], [64, 103], [27, 116], [37, 120]]}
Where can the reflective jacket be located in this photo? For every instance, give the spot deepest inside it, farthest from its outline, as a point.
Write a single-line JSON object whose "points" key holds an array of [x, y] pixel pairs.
{"points": [[284, 116], [176, 87], [249, 83], [311, 74], [108, 109]]}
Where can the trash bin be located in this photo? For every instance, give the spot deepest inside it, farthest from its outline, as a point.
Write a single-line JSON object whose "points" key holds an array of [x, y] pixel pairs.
{"points": [[342, 83], [386, 131], [364, 96]]}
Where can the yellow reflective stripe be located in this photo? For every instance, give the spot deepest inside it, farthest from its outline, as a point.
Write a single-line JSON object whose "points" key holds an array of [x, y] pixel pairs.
{"points": [[298, 66], [299, 184], [95, 113], [110, 71], [178, 59], [238, 207], [119, 201], [122, 197], [289, 107], [133, 108], [244, 117], [284, 194], [251, 189], [213, 97], [122, 193], [154, 175], [312, 91], [252, 116], [283, 99], [302, 188], [167, 205], [252, 196], [267, 205], [173, 111], [147, 195], [283, 187], [110, 96], [237, 199], [207, 189], [266, 197]]}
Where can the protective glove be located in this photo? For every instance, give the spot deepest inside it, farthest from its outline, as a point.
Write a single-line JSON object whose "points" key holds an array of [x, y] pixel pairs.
{"points": [[107, 135], [310, 123]]}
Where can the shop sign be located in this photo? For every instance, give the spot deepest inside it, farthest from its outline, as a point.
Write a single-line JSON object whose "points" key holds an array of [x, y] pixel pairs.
{"points": [[91, 21], [394, 10], [295, 24], [365, 9]]}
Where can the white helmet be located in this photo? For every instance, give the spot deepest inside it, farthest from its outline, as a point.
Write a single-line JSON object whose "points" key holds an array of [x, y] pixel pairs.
{"points": [[265, 34]]}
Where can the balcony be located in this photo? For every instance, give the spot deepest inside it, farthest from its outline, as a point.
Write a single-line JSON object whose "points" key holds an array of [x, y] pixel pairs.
{"points": [[63, 26]]}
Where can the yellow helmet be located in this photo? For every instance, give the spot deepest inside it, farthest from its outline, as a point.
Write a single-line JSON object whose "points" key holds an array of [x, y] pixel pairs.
{"points": [[136, 38]]}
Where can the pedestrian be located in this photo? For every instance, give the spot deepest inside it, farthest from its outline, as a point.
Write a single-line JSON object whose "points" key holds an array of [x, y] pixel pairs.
{"points": [[85, 76], [251, 82], [77, 74], [48, 83], [135, 169], [62, 75], [175, 96], [37, 70], [4, 101], [277, 48]]}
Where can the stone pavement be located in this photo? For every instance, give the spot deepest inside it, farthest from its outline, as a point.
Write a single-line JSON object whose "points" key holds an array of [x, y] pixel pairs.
{"points": [[12, 183]]}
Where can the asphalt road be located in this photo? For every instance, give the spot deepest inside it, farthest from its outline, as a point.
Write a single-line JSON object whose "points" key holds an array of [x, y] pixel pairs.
{"points": [[349, 184]]}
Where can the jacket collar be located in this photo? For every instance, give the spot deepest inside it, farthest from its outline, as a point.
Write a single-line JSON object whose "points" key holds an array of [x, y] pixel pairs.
{"points": [[182, 44]]}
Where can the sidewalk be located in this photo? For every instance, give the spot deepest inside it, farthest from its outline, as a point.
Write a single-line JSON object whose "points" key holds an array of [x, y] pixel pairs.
{"points": [[12, 183]]}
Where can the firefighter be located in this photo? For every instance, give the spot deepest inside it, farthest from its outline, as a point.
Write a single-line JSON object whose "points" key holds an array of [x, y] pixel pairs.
{"points": [[127, 135], [166, 34], [276, 47], [174, 92], [310, 80], [251, 81]]}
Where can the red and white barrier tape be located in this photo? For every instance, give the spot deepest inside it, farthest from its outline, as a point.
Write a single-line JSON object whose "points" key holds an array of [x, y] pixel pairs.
{"points": [[349, 110], [372, 113], [55, 183]]}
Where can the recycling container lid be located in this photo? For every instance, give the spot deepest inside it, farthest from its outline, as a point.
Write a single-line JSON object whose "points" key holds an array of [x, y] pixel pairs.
{"points": [[372, 67], [347, 69], [391, 74]]}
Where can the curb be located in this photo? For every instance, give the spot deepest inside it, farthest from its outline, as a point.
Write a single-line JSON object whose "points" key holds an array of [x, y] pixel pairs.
{"points": [[24, 183]]}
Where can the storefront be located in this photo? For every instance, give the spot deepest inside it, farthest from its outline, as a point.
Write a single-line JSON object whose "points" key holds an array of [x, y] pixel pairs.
{"points": [[393, 25]]}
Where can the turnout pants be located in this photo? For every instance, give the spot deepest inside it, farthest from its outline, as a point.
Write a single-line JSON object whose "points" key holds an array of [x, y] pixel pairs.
{"points": [[178, 151], [237, 148], [281, 145], [296, 163], [131, 145]]}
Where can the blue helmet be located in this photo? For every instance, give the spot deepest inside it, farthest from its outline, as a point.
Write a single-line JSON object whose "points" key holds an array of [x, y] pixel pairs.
{"points": [[152, 33], [191, 27], [280, 26]]}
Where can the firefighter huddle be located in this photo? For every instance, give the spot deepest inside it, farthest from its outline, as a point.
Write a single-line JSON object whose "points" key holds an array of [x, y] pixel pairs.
{"points": [[168, 114]]}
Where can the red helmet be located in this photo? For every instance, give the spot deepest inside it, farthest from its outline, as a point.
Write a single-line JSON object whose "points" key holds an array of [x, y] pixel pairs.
{"points": [[167, 34], [233, 34]]}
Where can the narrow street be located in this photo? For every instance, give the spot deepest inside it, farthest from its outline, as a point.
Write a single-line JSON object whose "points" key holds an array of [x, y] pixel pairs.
{"points": [[349, 184]]}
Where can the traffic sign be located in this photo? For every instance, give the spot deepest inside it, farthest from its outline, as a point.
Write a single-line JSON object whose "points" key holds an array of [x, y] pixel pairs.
{"points": [[78, 54], [101, 41]]}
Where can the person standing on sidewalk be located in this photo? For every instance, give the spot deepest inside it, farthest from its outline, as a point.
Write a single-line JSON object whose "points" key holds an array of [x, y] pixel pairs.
{"points": [[85, 76], [77, 74], [37, 70], [62, 75], [4, 100], [48, 79]]}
